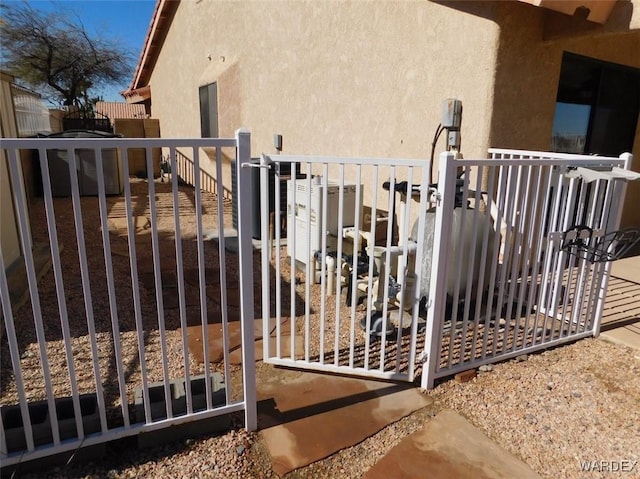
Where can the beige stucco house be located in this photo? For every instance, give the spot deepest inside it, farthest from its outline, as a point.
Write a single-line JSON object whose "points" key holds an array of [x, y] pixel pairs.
{"points": [[368, 78]]}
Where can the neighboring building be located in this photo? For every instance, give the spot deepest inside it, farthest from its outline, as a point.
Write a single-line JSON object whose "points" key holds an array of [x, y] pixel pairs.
{"points": [[368, 78], [120, 110], [131, 120], [22, 114], [31, 114]]}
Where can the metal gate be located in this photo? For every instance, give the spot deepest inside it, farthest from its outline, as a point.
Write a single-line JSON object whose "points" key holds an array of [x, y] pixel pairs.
{"points": [[538, 231], [339, 292], [374, 270], [119, 336]]}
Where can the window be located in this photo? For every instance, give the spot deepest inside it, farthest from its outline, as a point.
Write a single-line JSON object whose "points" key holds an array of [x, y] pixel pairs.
{"points": [[209, 110], [596, 107]]}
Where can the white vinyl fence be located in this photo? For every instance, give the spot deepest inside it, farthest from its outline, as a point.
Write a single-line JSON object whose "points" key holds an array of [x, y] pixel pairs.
{"points": [[139, 287], [375, 270]]}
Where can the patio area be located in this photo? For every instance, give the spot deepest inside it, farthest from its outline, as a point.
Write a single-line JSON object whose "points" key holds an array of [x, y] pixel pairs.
{"points": [[621, 315], [278, 413]]}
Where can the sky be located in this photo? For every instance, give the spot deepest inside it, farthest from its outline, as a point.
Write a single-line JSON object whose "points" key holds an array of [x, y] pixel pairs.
{"points": [[571, 119], [125, 20]]}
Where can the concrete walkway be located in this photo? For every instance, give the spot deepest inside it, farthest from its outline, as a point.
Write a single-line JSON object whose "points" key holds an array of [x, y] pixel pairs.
{"points": [[621, 315], [447, 447], [305, 417]]}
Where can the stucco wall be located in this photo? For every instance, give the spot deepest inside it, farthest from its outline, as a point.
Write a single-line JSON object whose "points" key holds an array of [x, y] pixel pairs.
{"points": [[368, 78], [349, 78], [527, 74]]}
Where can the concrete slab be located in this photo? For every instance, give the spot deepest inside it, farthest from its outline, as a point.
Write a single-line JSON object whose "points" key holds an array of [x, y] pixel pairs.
{"points": [[627, 268], [449, 446], [306, 417], [231, 243], [621, 313], [628, 335]]}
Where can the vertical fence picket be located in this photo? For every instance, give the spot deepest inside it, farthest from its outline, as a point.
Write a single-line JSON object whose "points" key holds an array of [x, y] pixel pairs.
{"points": [[492, 243], [414, 361], [266, 254], [323, 266], [113, 305], [157, 272], [27, 251], [383, 279], [14, 352], [60, 291], [354, 266], [278, 243], [309, 261], [477, 215], [180, 278], [222, 255], [86, 285], [292, 220], [371, 253], [336, 332], [202, 282], [135, 285]]}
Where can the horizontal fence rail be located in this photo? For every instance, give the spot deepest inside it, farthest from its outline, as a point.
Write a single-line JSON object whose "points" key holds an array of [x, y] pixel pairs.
{"points": [[129, 329], [506, 280]]}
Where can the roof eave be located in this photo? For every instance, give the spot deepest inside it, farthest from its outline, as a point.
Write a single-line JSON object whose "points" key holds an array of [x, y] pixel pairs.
{"points": [[137, 95], [158, 27]]}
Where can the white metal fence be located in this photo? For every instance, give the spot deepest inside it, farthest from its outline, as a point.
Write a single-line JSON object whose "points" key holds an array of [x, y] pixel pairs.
{"points": [[382, 275], [137, 289], [368, 267], [513, 270], [185, 169], [345, 267]]}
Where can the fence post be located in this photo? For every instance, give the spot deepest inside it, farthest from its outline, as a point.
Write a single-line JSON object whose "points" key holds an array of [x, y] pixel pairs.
{"points": [[437, 299], [613, 223], [245, 259], [265, 239]]}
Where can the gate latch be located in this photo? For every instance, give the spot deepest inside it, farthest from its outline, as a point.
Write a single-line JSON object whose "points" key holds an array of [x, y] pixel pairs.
{"points": [[263, 162]]}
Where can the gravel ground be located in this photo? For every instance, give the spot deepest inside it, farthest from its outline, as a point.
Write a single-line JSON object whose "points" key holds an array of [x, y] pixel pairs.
{"points": [[553, 410], [575, 403]]}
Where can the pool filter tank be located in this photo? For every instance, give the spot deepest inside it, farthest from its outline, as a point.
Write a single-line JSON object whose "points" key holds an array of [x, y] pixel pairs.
{"points": [[464, 244]]}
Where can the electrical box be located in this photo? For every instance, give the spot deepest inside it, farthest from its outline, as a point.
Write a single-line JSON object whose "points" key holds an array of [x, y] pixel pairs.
{"points": [[277, 141], [453, 139], [309, 216], [451, 113]]}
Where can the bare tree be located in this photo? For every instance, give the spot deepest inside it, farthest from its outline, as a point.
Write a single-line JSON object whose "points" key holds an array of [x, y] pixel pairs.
{"points": [[53, 53]]}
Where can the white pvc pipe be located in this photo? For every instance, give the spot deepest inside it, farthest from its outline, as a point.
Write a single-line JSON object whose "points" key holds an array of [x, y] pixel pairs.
{"points": [[331, 273]]}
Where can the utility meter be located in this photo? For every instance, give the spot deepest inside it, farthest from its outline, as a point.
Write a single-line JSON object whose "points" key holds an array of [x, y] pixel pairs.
{"points": [[451, 114]]}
